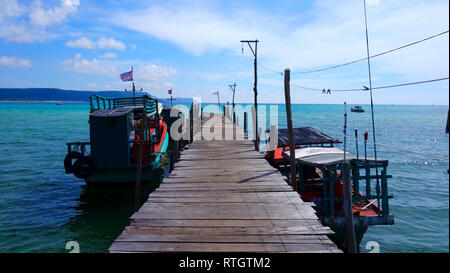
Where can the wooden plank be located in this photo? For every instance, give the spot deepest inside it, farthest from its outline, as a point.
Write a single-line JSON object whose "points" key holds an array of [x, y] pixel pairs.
{"points": [[202, 238], [142, 223], [202, 194], [223, 196], [232, 230], [220, 247]]}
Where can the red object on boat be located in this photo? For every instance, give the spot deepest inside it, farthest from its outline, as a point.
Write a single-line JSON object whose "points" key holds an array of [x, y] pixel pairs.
{"points": [[145, 149]]}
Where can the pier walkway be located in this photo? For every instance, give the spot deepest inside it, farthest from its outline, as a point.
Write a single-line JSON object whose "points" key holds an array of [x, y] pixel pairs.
{"points": [[223, 196]]}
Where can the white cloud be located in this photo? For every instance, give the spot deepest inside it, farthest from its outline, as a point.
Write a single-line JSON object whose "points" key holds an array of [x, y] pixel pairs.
{"points": [[83, 42], [101, 43], [108, 55], [95, 67], [331, 32], [193, 28], [33, 22], [92, 85], [372, 2], [110, 43], [143, 73], [42, 17], [14, 62], [10, 8], [153, 72]]}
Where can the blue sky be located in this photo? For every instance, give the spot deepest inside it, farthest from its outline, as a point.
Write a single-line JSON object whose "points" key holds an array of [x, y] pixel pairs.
{"points": [[193, 47]]}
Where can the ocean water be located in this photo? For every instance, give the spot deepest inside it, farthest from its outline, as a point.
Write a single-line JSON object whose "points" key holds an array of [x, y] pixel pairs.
{"points": [[42, 208]]}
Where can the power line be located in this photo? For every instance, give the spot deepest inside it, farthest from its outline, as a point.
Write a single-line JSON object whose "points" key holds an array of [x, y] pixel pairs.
{"points": [[373, 56], [271, 70], [385, 145], [367, 89]]}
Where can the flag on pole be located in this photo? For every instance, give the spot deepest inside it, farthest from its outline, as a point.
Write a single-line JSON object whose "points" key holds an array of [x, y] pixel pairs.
{"points": [[169, 91], [127, 76]]}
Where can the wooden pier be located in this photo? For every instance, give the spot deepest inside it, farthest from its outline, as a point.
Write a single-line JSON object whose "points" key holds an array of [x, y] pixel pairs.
{"points": [[223, 196]]}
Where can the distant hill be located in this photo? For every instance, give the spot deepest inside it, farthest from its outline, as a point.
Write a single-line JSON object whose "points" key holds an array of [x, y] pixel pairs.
{"points": [[54, 94]]}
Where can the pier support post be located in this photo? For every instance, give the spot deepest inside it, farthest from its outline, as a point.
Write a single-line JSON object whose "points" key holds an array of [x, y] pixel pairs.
{"points": [[446, 128], [287, 96], [137, 196], [245, 123], [348, 210], [191, 123]]}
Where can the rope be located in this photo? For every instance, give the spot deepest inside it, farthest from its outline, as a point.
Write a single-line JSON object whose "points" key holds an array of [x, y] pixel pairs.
{"points": [[385, 145], [373, 56], [378, 87], [271, 70]]}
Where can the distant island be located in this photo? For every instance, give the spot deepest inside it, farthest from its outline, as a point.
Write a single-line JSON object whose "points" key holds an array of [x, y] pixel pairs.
{"points": [[54, 94]]}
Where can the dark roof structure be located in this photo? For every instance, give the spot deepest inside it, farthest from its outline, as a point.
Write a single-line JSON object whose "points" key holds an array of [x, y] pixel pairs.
{"points": [[109, 113], [305, 136]]}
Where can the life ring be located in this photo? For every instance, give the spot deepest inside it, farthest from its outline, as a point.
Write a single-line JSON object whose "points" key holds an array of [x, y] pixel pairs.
{"points": [[68, 166], [83, 167]]}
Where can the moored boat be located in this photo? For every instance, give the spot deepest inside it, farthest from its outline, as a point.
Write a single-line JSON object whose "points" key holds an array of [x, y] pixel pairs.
{"points": [[117, 127], [303, 137], [357, 109], [319, 168]]}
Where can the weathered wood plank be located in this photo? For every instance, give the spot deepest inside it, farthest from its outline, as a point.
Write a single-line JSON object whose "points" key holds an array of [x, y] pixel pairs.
{"points": [[221, 247], [203, 223], [222, 196]]}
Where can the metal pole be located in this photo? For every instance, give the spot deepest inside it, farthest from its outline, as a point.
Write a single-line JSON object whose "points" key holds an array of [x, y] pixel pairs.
{"points": [[371, 107], [287, 96]]}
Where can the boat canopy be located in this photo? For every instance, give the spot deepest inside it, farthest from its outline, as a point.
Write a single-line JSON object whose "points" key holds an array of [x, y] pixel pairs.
{"points": [[149, 104], [323, 156], [320, 155], [304, 136], [109, 113]]}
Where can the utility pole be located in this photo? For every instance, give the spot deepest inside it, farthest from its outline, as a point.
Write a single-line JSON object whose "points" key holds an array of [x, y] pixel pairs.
{"points": [[233, 88], [218, 100], [255, 89]]}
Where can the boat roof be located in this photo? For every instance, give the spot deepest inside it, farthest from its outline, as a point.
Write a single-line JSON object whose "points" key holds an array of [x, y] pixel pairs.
{"points": [[304, 136], [149, 104], [114, 112], [322, 155]]}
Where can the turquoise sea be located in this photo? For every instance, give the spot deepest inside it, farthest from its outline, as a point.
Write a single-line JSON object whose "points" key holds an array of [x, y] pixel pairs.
{"points": [[42, 208]]}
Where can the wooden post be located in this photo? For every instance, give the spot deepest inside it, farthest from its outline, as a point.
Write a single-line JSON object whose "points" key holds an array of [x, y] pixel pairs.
{"points": [[287, 96], [245, 123], [137, 196], [446, 128], [256, 95], [191, 123], [348, 211], [255, 87]]}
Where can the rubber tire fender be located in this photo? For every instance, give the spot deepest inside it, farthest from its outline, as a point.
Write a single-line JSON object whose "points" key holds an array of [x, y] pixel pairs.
{"points": [[83, 167], [68, 167]]}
